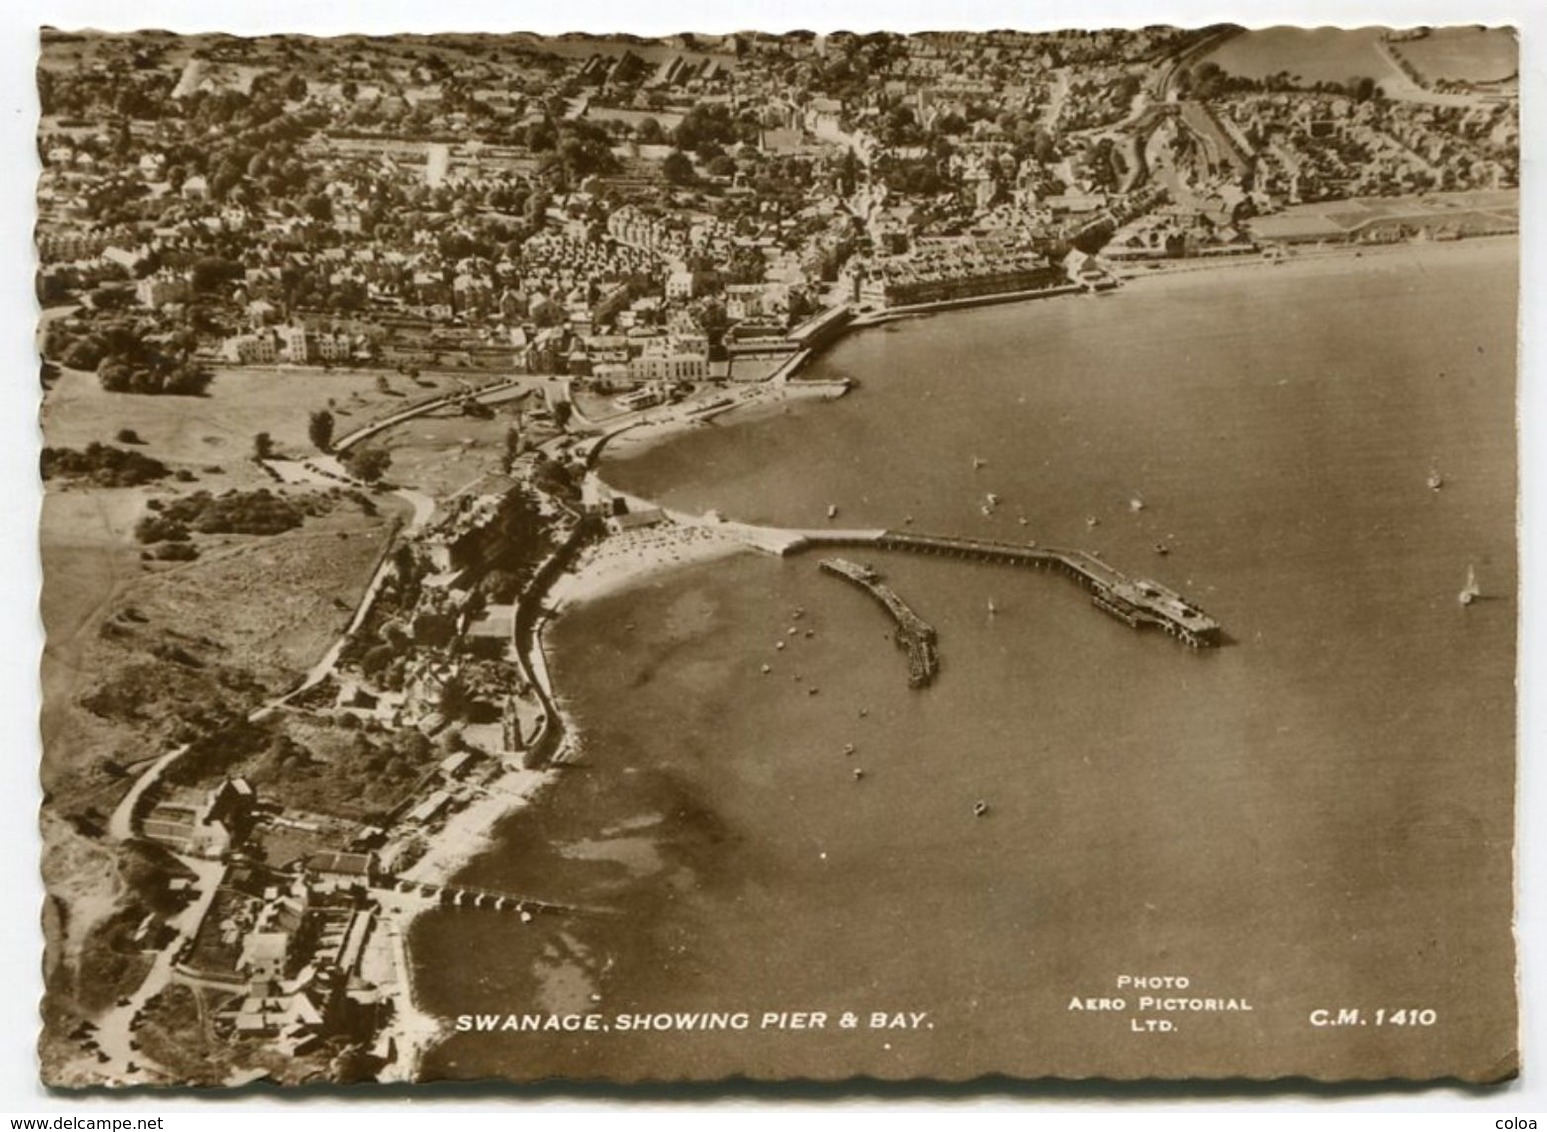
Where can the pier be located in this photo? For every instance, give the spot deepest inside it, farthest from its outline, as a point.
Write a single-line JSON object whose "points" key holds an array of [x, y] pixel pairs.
{"points": [[913, 633], [1137, 602]]}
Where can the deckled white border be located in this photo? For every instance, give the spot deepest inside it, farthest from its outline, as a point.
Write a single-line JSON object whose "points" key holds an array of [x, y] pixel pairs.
{"points": [[20, 632]]}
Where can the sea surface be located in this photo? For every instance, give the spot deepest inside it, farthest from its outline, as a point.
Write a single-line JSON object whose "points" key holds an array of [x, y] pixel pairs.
{"points": [[1318, 816]]}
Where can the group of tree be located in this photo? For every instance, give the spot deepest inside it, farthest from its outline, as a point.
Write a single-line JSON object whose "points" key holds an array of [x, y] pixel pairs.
{"points": [[157, 374], [709, 128], [102, 464], [1208, 80], [259, 512]]}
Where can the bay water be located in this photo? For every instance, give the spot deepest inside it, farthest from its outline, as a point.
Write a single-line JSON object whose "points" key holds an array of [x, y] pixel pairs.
{"points": [[1318, 815]]}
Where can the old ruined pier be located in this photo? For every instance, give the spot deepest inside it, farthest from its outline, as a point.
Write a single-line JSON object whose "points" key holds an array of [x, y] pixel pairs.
{"points": [[913, 633]]}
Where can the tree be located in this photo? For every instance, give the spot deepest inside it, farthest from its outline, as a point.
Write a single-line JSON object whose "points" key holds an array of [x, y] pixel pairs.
{"points": [[320, 430], [368, 464], [211, 273], [548, 313], [677, 168], [262, 446], [455, 697], [318, 206], [115, 376]]}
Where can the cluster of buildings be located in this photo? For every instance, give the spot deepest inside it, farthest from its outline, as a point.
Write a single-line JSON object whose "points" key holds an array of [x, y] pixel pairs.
{"points": [[950, 268], [935, 167], [1314, 148]]}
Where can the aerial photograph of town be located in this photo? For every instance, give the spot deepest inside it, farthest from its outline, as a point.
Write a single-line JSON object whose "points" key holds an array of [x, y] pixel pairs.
{"points": [[778, 555]]}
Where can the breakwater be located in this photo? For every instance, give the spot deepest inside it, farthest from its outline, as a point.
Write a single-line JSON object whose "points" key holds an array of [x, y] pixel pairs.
{"points": [[913, 634]]}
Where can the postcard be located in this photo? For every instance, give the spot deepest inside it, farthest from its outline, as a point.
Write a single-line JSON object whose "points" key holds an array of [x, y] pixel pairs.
{"points": [[779, 556]]}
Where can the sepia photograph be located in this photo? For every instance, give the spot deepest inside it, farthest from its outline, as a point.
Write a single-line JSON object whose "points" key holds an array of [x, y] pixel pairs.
{"points": [[778, 555]]}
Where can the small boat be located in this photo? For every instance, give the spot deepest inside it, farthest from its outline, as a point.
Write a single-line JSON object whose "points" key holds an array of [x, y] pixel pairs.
{"points": [[1136, 504], [858, 774], [991, 499], [979, 808], [811, 691], [832, 510], [767, 669], [1162, 548], [991, 608], [986, 509], [778, 644], [1092, 521], [1435, 480], [1022, 520], [978, 462], [848, 748], [1470, 592]]}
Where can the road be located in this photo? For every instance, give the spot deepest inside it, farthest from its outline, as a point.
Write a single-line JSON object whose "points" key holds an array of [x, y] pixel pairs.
{"points": [[114, 1033]]}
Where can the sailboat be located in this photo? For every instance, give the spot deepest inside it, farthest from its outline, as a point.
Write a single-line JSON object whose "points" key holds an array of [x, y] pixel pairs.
{"points": [[991, 608], [1435, 480], [1470, 592]]}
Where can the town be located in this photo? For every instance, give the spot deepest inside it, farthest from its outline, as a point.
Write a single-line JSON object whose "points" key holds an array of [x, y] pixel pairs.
{"points": [[423, 283]]}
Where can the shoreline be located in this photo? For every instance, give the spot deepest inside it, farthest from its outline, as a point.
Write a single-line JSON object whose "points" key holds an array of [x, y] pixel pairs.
{"points": [[469, 832], [626, 560]]}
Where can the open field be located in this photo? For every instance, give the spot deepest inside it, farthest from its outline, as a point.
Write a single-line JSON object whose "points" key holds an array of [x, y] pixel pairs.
{"points": [[443, 453], [218, 429], [1473, 213], [1309, 55], [88, 560], [149, 649], [1473, 55]]}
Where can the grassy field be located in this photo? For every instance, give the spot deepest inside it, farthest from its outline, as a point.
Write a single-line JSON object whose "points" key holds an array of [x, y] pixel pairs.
{"points": [[137, 656], [1476, 55], [1309, 54], [274, 604], [446, 453], [217, 430]]}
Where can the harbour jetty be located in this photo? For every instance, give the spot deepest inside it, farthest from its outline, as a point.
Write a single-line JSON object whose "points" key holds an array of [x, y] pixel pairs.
{"points": [[913, 633]]}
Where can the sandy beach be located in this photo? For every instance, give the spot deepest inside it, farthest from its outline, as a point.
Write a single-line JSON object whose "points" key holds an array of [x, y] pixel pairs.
{"points": [[1343, 257], [466, 832], [658, 426], [629, 558], [412, 1031]]}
